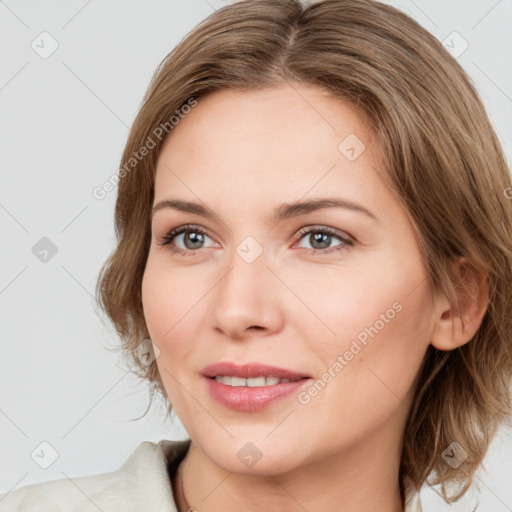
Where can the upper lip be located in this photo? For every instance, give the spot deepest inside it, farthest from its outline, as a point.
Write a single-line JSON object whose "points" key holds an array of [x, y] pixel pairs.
{"points": [[250, 370]]}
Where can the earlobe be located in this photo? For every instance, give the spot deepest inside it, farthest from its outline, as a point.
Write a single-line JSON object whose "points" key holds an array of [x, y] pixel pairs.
{"points": [[456, 324]]}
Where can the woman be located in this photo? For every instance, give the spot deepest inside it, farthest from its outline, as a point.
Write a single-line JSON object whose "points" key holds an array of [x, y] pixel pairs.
{"points": [[314, 258]]}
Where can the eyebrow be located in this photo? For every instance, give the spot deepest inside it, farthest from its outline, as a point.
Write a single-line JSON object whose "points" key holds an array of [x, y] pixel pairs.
{"points": [[282, 212]]}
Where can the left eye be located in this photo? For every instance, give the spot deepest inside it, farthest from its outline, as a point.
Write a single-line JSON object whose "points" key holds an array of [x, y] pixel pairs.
{"points": [[320, 239]]}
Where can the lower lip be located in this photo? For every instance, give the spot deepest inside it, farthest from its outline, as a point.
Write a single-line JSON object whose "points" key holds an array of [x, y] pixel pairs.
{"points": [[244, 398]]}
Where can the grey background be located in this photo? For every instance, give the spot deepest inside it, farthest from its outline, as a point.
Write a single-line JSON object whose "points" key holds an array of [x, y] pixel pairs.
{"points": [[65, 119]]}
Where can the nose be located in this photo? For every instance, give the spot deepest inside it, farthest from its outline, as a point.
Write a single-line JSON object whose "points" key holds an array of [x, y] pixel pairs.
{"points": [[247, 299]]}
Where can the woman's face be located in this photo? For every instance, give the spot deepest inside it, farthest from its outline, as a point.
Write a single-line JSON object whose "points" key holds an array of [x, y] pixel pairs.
{"points": [[337, 296]]}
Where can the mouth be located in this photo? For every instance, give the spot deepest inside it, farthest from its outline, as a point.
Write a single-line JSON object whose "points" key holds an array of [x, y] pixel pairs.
{"points": [[253, 382], [251, 371], [251, 387]]}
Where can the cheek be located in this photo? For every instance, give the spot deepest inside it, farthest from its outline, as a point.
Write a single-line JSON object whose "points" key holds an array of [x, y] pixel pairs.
{"points": [[377, 318], [168, 298], [155, 301], [342, 303], [174, 302], [168, 311], [369, 366]]}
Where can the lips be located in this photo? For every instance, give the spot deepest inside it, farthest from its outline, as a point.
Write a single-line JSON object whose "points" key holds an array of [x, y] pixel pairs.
{"points": [[251, 370], [251, 387]]}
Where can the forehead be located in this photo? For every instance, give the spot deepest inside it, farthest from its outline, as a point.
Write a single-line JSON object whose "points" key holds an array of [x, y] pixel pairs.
{"points": [[281, 141]]}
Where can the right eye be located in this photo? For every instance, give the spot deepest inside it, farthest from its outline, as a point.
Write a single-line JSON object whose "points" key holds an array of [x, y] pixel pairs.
{"points": [[189, 236]]}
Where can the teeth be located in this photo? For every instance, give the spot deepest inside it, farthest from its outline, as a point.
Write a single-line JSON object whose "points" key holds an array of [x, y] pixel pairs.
{"points": [[251, 383], [237, 381]]}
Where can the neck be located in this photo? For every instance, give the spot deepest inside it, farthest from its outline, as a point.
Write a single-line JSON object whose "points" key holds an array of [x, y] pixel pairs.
{"points": [[362, 478]]}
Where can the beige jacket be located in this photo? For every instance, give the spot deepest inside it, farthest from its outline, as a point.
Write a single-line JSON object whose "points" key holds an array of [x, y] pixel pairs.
{"points": [[141, 484]]}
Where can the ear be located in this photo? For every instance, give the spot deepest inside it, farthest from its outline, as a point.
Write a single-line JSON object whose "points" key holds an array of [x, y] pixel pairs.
{"points": [[456, 324]]}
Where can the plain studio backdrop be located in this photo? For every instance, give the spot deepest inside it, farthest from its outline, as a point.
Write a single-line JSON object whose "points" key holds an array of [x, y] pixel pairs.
{"points": [[71, 81]]}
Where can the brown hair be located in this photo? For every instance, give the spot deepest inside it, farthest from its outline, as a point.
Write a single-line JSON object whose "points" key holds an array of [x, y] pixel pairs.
{"points": [[441, 152]]}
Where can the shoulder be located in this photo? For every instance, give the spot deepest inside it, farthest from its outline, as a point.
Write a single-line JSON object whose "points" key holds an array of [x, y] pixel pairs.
{"points": [[412, 497], [141, 483]]}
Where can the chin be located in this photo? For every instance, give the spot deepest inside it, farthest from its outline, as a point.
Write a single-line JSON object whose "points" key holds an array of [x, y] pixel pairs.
{"points": [[252, 455]]}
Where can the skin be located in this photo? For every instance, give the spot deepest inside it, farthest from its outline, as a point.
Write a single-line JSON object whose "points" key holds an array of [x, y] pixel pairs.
{"points": [[242, 154]]}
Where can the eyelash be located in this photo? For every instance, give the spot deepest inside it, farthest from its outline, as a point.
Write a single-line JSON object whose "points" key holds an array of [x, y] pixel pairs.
{"points": [[166, 240]]}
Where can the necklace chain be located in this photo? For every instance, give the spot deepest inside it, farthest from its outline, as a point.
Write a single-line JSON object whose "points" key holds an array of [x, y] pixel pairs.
{"points": [[180, 476]]}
